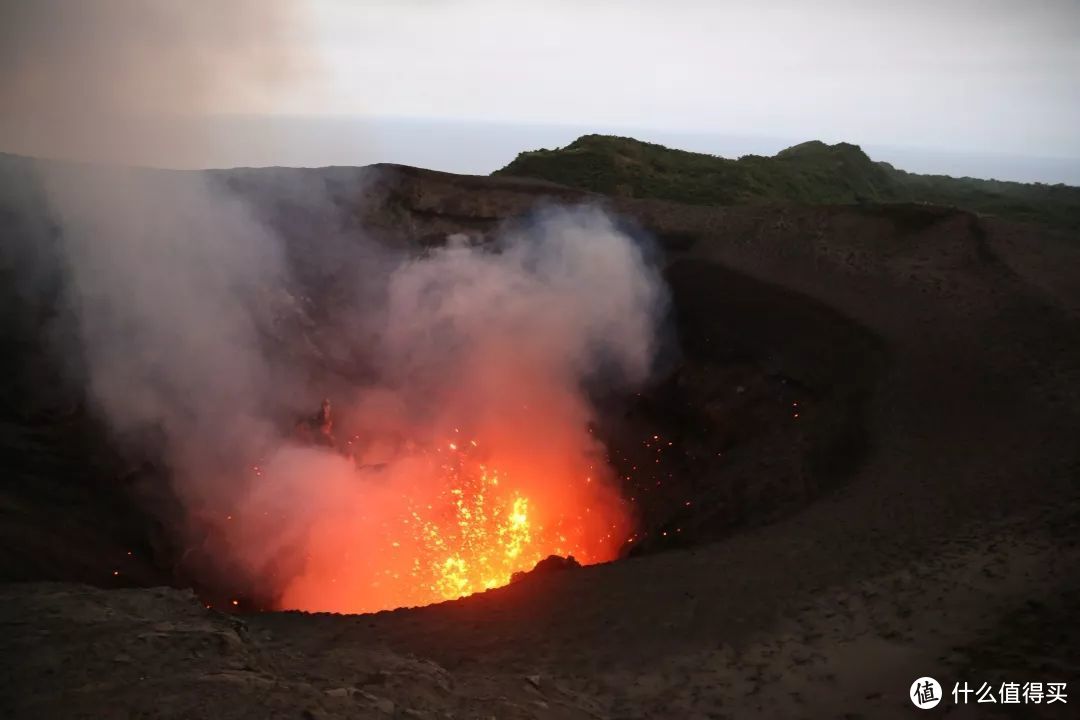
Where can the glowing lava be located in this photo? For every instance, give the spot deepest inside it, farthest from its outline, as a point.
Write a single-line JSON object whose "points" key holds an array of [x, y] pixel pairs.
{"points": [[477, 533], [481, 528], [445, 523]]}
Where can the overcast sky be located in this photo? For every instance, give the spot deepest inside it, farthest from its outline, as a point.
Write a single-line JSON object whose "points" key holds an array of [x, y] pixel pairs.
{"points": [[985, 75], [959, 78]]}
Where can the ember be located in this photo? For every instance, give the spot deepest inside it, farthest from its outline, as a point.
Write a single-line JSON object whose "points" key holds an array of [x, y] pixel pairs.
{"points": [[478, 533], [431, 525]]}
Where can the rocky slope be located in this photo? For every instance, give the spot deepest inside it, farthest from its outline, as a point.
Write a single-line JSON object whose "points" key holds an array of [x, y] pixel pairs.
{"points": [[873, 411]]}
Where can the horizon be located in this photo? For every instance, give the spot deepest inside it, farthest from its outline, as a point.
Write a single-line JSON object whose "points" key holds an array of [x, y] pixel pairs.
{"points": [[482, 147], [972, 88]]}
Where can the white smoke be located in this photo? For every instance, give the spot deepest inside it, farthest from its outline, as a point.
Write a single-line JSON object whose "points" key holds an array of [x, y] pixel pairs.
{"points": [[172, 284], [179, 289], [492, 342]]}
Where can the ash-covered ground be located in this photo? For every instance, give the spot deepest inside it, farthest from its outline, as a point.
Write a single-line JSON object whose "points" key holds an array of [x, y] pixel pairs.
{"points": [[855, 465]]}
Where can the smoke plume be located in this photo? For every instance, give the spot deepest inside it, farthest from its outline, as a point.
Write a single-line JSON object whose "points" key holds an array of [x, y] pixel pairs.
{"points": [[462, 447], [486, 348]]}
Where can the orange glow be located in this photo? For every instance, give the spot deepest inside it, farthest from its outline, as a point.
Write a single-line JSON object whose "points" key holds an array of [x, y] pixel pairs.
{"points": [[431, 525], [471, 458], [475, 536]]}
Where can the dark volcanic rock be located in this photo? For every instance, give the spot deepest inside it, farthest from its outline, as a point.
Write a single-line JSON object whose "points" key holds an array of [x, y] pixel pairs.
{"points": [[72, 651], [888, 394], [550, 564]]}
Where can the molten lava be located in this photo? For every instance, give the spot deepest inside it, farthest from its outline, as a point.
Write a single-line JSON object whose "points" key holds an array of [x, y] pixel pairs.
{"points": [[440, 524], [479, 531]]}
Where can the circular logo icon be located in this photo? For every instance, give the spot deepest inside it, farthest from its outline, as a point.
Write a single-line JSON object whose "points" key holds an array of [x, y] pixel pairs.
{"points": [[925, 693]]}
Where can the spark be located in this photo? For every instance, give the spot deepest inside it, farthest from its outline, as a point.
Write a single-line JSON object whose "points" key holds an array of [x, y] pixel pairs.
{"points": [[471, 517], [486, 529]]}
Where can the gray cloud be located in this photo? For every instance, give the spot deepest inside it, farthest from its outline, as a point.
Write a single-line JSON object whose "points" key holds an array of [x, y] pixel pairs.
{"points": [[132, 80]]}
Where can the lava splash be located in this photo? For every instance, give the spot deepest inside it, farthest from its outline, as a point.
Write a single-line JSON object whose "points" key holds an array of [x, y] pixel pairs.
{"points": [[478, 531], [431, 525]]}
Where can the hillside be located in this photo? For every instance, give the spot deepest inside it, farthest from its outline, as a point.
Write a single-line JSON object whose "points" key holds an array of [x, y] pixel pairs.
{"points": [[809, 173], [871, 474]]}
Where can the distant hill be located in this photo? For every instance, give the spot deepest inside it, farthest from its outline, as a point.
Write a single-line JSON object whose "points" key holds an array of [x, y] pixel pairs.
{"points": [[810, 173]]}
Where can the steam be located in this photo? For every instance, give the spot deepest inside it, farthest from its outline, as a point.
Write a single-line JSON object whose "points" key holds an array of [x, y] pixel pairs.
{"points": [[180, 298], [171, 281], [196, 332], [185, 303], [493, 343], [172, 288]]}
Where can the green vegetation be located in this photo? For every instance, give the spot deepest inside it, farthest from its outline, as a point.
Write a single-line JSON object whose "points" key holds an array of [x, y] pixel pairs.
{"points": [[810, 173]]}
